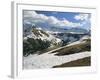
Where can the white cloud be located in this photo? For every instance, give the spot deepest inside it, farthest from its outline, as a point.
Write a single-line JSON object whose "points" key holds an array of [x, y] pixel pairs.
{"points": [[52, 20], [33, 17], [85, 20], [82, 17]]}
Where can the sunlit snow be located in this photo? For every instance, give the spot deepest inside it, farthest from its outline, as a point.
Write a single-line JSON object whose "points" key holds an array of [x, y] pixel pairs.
{"points": [[47, 60]]}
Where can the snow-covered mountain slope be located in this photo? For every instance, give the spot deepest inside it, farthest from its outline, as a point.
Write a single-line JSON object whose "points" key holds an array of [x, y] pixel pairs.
{"points": [[38, 33], [49, 59], [54, 35]]}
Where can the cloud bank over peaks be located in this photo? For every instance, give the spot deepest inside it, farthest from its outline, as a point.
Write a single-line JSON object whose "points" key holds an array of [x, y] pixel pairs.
{"points": [[33, 17]]}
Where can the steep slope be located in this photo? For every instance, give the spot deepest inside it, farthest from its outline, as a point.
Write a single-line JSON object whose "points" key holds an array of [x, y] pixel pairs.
{"points": [[38, 41], [38, 33]]}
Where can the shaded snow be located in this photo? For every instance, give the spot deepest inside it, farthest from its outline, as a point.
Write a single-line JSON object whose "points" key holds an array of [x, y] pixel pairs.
{"points": [[47, 60]]}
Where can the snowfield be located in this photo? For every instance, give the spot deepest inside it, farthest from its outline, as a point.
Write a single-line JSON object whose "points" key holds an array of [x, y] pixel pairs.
{"points": [[47, 60]]}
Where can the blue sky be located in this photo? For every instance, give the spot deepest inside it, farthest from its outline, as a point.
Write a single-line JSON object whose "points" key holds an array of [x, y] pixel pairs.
{"points": [[58, 19]]}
